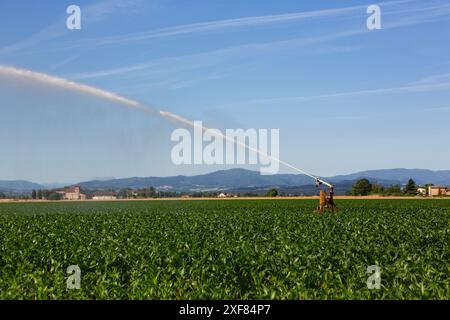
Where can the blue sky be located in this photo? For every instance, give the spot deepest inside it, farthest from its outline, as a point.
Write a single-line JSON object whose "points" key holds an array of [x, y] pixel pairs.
{"points": [[344, 98]]}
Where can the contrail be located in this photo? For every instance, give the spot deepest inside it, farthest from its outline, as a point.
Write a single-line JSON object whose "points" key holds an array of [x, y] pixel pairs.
{"points": [[74, 86]]}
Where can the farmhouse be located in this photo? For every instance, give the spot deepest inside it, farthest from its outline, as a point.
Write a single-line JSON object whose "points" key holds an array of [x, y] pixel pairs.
{"points": [[71, 193], [438, 191], [422, 191], [101, 195]]}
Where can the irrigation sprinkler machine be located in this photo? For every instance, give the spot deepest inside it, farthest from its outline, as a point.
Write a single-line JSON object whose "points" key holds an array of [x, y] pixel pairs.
{"points": [[326, 198], [326, 201]]}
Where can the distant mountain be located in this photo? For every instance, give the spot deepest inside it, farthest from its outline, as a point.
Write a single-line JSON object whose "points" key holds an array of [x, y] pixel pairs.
{"points": [[241, 179], [18, 186], [246, 181], [103, 178], [340, 188], [219, 180], [420, 176]]}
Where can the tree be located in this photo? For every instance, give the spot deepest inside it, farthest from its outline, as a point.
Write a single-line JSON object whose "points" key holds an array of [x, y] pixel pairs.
{"points": [[272, 193], [150, 192], [123, 194], [33, 194], [2, 195], [250, 194], [39, 194], [45, 194], [362, 187], [54, 196], [377, 189], [393, 190], [410, 187]]}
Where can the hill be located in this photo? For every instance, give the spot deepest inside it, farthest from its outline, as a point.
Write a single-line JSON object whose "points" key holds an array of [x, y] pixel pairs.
{"points": [[17, 186], [242, 179], [420, 176]]}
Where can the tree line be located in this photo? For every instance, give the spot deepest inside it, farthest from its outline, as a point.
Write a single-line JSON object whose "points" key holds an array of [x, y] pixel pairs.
{"points": [[145, 193], [45, 195], [363, 187]]}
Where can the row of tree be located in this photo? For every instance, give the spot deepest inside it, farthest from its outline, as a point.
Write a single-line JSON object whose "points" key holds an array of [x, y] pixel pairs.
{"points": [[272, 193], [45, 195], [363, 187], [145, 193]]}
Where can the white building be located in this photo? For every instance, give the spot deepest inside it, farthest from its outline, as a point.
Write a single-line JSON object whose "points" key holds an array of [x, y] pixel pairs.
{"points": [[102, 196], [422, 191]]}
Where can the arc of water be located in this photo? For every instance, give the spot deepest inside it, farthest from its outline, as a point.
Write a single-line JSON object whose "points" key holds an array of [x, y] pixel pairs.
{"points": [[82, 88]]}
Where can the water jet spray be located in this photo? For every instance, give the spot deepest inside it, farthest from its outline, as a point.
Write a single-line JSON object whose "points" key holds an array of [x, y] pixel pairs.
{"points": [[43, 78]]}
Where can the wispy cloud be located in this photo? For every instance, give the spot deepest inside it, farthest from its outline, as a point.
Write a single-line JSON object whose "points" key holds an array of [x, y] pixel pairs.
{"points": [[435, 78], [51, 32], [105, 9], [445, 86], [424, 12], [174, 79], [409, 16], [227, 24], [94, 13], [176, 64], [63, 62], [390, 114], [113, 71]]}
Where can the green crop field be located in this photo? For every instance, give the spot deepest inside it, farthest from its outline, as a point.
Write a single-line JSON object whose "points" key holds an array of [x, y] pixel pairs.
{"points": [[243, 249]]}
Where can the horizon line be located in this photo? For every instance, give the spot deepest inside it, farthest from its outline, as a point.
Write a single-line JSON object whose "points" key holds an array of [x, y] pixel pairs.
{"points": [[207, 173]]}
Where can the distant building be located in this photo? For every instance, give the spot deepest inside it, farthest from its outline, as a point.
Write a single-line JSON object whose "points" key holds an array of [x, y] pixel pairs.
{"points": [[72, 193], [104, 196], [227, 195], [422, 191], [434, 191]]}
